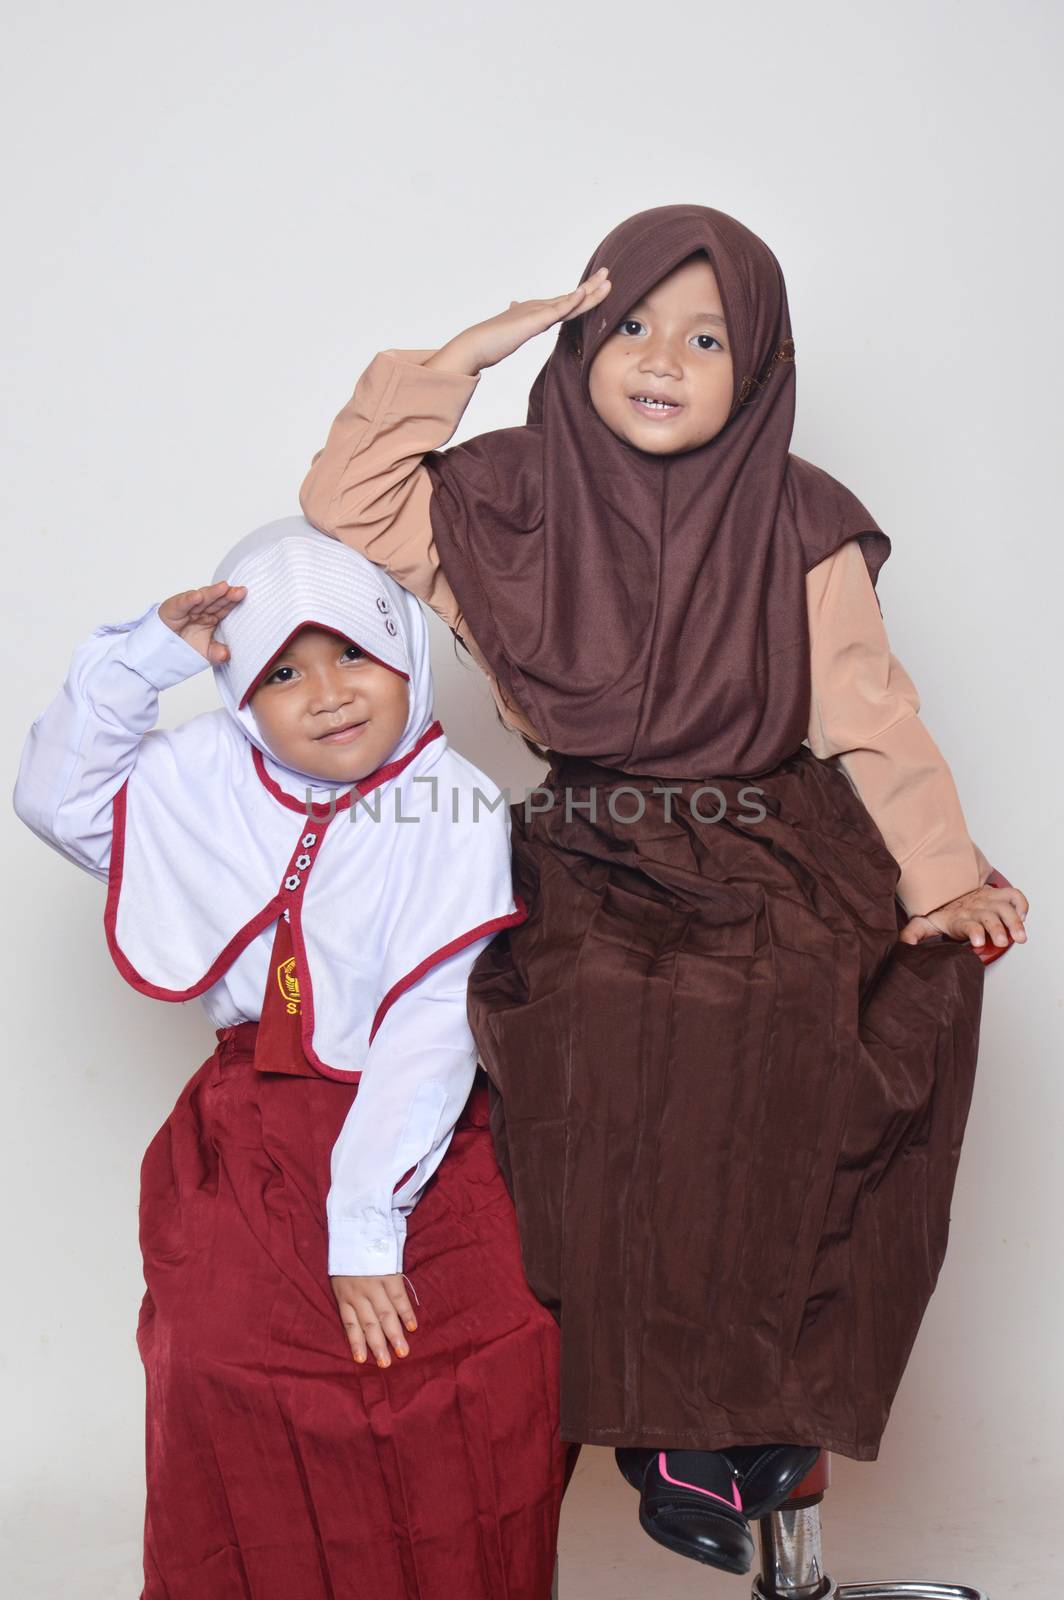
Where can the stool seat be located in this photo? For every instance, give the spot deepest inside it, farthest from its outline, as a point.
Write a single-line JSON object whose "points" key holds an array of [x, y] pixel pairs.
{"points": [[812, 1487]]}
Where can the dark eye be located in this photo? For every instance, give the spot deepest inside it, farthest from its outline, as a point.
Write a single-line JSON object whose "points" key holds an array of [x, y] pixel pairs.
{"points": [[712, 341], [353, 653], [277, 675], [629, 322]]}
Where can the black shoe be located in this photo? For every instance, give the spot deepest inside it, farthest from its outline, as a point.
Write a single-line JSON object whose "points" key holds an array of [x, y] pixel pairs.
{"points": [[690, 1502], [632, 1463], [767, 1473]]}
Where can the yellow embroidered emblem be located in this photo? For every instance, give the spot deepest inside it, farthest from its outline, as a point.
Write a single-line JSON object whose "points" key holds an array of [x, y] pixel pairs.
{"points": [[288, 983]]}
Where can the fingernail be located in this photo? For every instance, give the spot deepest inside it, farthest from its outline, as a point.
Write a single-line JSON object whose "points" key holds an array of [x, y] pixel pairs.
{"points": [[360, 1358], [411, 1325], [381, 1362], [403, 1351]]}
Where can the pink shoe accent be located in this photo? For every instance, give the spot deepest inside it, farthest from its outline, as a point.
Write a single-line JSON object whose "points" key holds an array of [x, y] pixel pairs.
{"points": [[736, 1497]]}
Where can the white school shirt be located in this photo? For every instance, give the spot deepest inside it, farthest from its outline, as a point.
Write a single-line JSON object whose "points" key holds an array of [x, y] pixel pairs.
{"points": [[418, 1069]]}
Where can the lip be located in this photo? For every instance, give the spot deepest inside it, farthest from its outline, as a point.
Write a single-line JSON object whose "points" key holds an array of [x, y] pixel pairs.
{"points": [[652, 413], [342, 735]]}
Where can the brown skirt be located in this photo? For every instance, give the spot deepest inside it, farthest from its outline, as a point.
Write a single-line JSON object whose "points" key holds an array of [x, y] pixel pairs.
{"points": [[728, 1103]]}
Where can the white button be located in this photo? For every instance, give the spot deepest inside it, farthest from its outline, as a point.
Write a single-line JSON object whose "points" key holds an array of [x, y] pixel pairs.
{"points": [[309, 840], [390, 625], [303, 862], [292, 882]]}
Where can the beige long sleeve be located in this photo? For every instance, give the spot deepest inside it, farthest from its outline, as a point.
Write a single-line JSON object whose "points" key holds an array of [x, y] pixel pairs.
{"points": [[864, 710], [368, 488]]}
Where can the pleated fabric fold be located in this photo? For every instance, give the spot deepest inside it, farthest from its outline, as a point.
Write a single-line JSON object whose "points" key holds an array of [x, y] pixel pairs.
{"points": [[729, 1104], [277, 1469]]}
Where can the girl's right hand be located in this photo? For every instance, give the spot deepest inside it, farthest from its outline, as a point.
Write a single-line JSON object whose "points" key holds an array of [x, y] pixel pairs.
{"points": [[195, 613], [371, 1310], [485, 343]]}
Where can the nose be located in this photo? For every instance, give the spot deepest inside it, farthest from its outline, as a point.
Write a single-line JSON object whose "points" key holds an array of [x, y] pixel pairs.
{"points": [[660, 359], [331, 692]]}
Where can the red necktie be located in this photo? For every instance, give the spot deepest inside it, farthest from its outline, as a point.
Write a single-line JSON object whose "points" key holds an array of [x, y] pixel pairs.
{"points": [[278, 1042]]}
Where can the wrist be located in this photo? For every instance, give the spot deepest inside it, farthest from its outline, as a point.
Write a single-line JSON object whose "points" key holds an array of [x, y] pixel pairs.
{"points": [[459, 355], [182, 631], [159, 654], [367, 1245]]}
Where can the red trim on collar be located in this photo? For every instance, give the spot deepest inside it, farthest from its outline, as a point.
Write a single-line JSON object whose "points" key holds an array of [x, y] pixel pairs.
{"points": [[407, 982], [222, 962], [325, 628], [306, 983], [274, 907], [323, 809]]}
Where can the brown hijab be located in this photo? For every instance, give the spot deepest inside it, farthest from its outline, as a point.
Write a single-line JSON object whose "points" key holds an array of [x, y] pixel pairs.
{"points": [[648, 611]]}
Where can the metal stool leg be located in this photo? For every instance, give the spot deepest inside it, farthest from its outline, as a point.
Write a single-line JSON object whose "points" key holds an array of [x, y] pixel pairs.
{"points": [[792, 1563], [792, 1566]]}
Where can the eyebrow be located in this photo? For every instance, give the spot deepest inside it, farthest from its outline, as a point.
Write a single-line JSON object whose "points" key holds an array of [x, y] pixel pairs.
{"points": [[696, 316]]}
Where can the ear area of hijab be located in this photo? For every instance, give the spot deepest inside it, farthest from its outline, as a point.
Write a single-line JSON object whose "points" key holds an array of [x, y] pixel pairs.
{"points": [[749, 388]]}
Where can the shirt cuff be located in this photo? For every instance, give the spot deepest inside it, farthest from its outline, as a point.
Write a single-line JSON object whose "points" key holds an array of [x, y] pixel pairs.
{"points": [[159, 655], [417, 358], [926, 885], [367, 1245], [984, 868]]}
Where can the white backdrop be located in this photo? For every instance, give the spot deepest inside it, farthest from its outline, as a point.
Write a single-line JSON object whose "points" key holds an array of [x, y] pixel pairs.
{"points": [[215, 214]]}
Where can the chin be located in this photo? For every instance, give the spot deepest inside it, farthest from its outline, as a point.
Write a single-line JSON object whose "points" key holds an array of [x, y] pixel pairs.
{"points": [[648, 439], [652, 443], [659, 446], [352, 771], [326, 771]]}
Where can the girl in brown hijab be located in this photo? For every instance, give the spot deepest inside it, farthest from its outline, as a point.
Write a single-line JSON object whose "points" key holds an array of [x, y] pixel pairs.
{"points": [[731, 1074]]}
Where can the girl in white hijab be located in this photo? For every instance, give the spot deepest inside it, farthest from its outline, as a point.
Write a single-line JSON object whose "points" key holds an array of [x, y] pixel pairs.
{"points": [[318, 867]]}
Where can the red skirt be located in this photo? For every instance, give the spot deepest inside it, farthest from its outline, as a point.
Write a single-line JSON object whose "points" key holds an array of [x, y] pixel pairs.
{"points": [[278, 1469]]}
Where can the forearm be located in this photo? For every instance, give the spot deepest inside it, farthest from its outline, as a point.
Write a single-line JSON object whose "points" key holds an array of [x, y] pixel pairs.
{"points": [[415, 1082], [908, 789], [864, 711], [459, 355], [82, 748], [367, 486]]}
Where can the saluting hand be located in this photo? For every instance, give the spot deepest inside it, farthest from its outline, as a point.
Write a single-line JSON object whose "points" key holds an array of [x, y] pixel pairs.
{"points": [[195, 613], [972, 916], [370, 1310], [485, 343]]}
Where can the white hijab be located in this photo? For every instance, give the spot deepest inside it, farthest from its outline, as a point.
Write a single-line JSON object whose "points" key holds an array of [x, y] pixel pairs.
{"points": [[211, 844], [291, 569]]}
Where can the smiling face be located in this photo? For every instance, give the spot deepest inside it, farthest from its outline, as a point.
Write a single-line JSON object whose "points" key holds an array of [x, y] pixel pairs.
{"points": [[672, 346], [327, 709]]}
